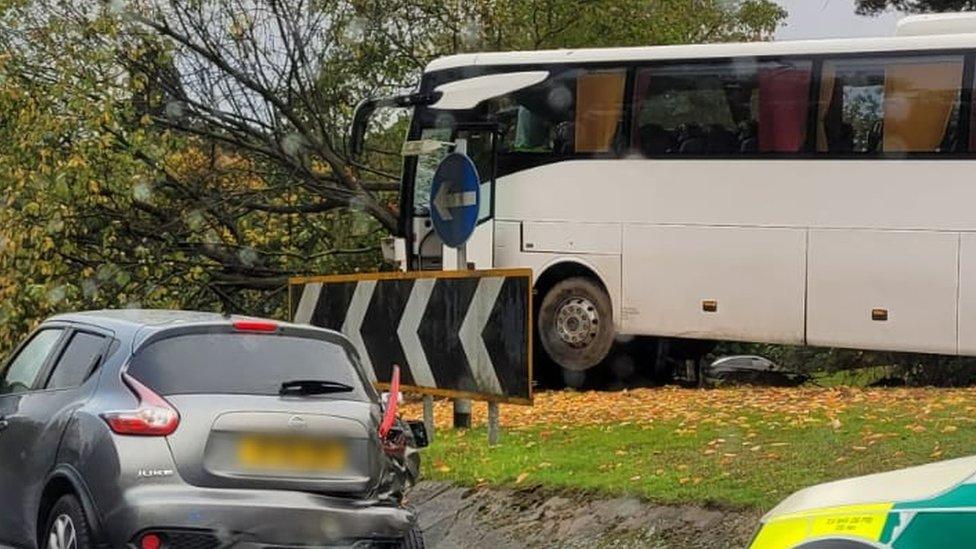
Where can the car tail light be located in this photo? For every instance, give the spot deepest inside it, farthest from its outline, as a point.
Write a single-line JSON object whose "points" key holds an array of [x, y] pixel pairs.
{"points": [[255, 326], [154, 417]]}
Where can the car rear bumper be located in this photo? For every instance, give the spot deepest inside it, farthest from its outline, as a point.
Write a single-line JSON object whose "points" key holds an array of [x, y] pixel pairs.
{"points": [[255, 517]]}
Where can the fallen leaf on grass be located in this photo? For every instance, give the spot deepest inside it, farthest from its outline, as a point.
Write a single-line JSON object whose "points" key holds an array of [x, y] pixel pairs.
{"points": [[751, 409]]}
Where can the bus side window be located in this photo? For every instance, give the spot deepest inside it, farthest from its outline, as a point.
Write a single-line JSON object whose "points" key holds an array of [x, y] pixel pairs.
{"points": [[530, 119], [575, 111], [890, 105], [721, 109]]}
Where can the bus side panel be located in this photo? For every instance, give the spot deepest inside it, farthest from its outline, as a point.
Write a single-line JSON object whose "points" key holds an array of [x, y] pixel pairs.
{"points": [[572, 238], [733, 283], [479, 249], [891, 290], [967, 294], [929, 195], [509, 253]]}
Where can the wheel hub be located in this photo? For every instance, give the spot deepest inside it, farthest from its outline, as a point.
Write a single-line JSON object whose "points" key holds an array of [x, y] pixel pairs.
{"points": [[577, 322], [62, 535]]}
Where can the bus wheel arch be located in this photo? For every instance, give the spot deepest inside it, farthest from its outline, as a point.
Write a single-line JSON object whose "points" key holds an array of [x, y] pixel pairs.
{"points": [[574, 315]]}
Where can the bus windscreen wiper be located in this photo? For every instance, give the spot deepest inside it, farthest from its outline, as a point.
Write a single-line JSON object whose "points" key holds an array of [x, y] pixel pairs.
{"points": [[303, 387]]}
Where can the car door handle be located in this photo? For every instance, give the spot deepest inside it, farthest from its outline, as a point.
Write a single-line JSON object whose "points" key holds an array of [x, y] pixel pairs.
{"points": [[3, 423]]}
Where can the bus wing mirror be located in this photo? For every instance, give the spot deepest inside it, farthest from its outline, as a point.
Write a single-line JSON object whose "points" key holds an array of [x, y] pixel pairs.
{"points": [[365, 109]]}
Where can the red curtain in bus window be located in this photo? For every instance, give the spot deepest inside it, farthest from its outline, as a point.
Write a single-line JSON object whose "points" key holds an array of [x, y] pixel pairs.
{"points": [[784, 96]]}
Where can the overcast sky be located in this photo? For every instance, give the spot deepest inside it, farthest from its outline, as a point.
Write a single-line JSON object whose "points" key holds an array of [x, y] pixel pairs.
{"points": [[831, 19]]}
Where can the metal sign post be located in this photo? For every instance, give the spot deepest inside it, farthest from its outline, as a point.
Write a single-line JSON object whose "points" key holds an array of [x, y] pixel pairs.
{"points": [[429, 416], [493, 413], [462, 406], [455, 197]]}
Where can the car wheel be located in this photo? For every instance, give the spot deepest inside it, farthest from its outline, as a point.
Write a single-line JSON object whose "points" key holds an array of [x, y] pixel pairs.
{"points": [[67, 527], [575, 324], [413, 540]]}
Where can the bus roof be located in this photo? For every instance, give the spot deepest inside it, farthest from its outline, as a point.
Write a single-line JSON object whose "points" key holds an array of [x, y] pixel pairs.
{"points": [[706, 51]]}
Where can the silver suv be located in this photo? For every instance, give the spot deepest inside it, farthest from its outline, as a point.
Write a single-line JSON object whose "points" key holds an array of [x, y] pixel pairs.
{"points": [[172, 429]]}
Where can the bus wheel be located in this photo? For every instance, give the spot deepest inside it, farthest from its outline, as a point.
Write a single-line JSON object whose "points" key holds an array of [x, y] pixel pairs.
{"points": [[575, 324]]}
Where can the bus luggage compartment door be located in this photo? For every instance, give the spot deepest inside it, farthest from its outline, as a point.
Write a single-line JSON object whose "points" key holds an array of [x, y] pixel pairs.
{"points": [[876, 289]]}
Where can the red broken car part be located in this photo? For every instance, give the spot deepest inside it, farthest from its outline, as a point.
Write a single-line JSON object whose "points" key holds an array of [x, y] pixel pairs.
{"points": [[389, 416]]}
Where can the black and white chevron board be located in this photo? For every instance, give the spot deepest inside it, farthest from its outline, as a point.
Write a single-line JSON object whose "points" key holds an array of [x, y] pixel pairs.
{"points": [[454, 333]]}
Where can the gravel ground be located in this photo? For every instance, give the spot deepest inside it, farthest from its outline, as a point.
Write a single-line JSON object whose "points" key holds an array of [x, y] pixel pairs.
{"points": [[501, 518]]}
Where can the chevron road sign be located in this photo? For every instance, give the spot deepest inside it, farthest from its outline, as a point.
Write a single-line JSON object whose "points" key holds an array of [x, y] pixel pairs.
{"points": [[454, 333]]}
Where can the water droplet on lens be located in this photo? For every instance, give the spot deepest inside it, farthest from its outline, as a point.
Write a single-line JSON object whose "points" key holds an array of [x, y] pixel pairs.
{"points": [[142, 191], [471, 34], [444, 120], [623, 367], [174, 110], [573, 378], [355, 31], [56, 294], [292, 144], [248, 256], [89, 288], [560, 98], [194, 219], [357, 204]]}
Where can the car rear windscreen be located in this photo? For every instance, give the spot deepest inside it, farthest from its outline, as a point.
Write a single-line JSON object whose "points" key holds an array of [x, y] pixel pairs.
{"points": [[251, 364]]}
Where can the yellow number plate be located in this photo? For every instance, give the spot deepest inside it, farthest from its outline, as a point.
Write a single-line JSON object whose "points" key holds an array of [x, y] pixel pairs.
{"points": [[290, 454]]}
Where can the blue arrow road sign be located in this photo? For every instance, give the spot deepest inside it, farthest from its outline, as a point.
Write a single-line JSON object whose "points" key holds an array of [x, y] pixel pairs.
{"points": [[455, 199]]}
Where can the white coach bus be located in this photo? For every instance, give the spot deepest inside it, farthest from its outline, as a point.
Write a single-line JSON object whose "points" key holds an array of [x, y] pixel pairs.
{"points": [[812, 192]]}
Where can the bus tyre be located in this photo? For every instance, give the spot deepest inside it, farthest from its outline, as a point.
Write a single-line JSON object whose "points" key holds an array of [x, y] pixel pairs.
{"points": [[575, 324]]}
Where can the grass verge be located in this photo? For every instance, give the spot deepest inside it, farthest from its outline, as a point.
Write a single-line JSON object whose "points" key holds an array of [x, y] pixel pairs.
{"points": [[734, 448]]}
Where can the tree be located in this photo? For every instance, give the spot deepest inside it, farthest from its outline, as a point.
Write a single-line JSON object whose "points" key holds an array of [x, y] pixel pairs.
{"points": [[502, 25], [192, 154], [875, 7]]}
